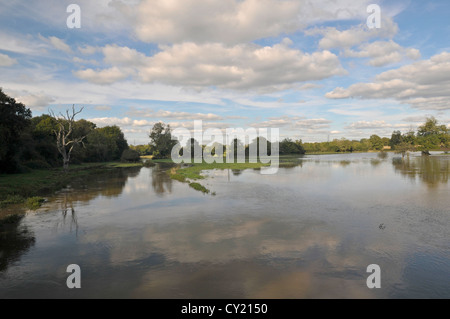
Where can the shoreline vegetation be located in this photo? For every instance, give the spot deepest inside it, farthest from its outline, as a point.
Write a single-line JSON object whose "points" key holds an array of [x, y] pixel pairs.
{"points": [[33, 149], [29, 189]]}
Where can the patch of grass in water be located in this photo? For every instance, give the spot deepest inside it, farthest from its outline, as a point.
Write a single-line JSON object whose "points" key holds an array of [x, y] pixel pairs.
{"points": [[34, 203], [199, 187]]}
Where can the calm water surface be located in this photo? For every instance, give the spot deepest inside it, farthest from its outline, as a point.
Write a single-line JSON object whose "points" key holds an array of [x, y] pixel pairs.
{"points": [[309, 231]]}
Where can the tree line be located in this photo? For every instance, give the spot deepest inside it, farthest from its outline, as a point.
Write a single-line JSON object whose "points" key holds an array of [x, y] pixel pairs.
{"points": [[28, 142], [429, 136], [49, 140]]}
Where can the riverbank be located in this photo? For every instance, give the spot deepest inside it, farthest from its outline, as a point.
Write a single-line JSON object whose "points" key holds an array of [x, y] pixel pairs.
{"points": [[29, 188]]}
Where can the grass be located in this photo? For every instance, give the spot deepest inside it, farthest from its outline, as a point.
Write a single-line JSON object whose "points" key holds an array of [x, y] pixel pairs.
{"points": [[199, 187], [193, 171], [125, 165], [26, 188], [34, 202]]}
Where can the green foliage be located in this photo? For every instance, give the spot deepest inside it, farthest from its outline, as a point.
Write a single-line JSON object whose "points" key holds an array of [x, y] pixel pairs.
{"points": [[396, 139], [199, 187], [143, 150], [130, 155], [430, 135], [255, 145], [338, 146], [37, 164], [376, 142], [287, 146], [161, 140], [11, 199], [14, 120], [105, 144], [34, 203]]}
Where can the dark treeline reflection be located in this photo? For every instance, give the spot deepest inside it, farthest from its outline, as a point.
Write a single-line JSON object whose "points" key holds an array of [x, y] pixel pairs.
{"points": [[15, 240], [108, 184], [161, 181], [431, 170], [68, 214]]}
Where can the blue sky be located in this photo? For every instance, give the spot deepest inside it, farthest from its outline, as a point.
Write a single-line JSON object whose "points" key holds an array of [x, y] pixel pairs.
{"points": [[313, 69]]}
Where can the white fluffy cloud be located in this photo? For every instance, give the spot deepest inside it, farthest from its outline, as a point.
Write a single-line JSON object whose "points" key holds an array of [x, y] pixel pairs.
{"points": [[105, 76], [383, 52], [57, 43], [187, 116], [5, 60], [240, 67], [234, 21], [34, 100], [295, 122], [376, 124], [313, 124], [147, 113], [126, 121], [282, 121], [334, 38], [423, 84]]}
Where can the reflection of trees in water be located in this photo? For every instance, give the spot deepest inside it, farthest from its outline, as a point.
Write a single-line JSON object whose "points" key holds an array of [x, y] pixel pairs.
{"points": [[15, 240], [161, 181], [291, 163], [345, 163], [382, 155], [431, 170], [109, 184], [236, 172], [375, 162], [66, 206]]}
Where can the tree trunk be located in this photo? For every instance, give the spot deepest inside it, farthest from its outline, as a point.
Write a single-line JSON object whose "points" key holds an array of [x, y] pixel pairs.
{"points": [[65, 161]]}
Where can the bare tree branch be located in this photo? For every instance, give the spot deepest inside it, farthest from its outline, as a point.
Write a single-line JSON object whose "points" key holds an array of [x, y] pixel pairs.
{"points": [[63, 135]]}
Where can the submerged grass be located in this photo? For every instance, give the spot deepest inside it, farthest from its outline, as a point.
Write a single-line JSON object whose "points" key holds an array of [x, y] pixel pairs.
{"points": [[199, 187], [26, 188], [193, 171], [34, 202]]}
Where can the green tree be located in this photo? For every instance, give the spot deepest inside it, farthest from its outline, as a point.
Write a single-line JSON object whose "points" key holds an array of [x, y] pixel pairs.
{"points": [[105, 144], [396, 139], [431, 135], [14, 119], [287, 146], [376, 142], [130, 155], [116, 140], [161, 140]]}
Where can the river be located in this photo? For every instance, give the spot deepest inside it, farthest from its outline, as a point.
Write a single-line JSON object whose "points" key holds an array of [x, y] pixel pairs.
{"points": [[309, 231]]}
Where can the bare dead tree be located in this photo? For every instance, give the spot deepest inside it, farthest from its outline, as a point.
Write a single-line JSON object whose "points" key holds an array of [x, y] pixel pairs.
{"points": [[65, 142]]}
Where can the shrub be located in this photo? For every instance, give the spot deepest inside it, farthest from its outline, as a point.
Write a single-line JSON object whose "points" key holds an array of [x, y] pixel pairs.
{"points": [[37, 164], [34, 203], [130, 155], [199, 187]]}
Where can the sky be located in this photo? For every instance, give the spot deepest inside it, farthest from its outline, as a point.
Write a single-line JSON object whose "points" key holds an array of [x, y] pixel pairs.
{"points": [[313, 69]]}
